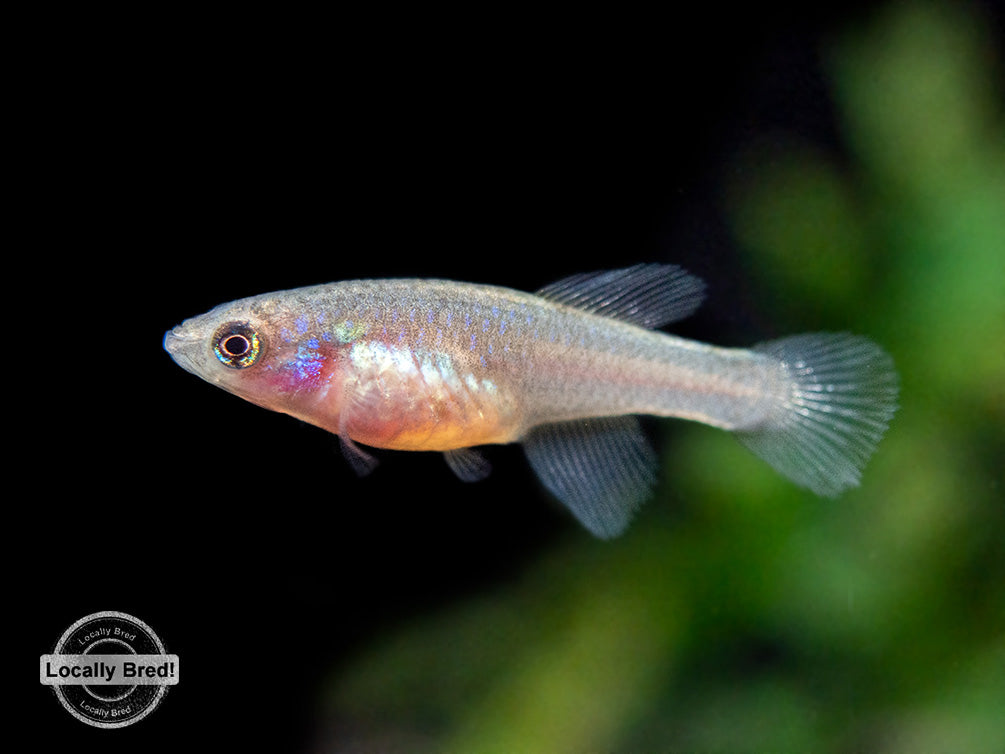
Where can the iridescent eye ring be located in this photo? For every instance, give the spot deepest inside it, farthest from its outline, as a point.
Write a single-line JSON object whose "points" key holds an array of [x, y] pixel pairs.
{"points": [[237, 345]]}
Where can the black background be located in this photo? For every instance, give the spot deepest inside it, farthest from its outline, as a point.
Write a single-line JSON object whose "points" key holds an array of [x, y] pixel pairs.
{"points": [[173, 163]]}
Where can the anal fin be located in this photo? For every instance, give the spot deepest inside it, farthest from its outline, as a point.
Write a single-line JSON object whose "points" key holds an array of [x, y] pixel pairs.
{"points": [[601, 469]]}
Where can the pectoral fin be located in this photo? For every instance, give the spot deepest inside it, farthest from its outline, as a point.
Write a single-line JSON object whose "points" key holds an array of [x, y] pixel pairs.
{"points": [[361, 461], [602, 469]]}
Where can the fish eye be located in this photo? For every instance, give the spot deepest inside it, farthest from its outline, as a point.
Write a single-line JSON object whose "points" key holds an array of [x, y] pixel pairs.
{"points": [[237, 345]]}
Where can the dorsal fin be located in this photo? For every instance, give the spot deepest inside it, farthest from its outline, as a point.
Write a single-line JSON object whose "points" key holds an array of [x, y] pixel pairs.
{"points": [[649, 295]]}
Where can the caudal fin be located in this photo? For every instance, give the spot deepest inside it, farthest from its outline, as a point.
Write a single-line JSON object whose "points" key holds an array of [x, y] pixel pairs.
{"points": [[841, 397]]}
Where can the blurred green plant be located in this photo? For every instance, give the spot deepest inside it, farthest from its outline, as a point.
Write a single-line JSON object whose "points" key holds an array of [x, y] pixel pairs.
{"points": [[755, 620]]}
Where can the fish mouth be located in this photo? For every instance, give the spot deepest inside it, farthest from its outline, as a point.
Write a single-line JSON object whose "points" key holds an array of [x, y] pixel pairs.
{"points": [[179, 346], [174, 340]]}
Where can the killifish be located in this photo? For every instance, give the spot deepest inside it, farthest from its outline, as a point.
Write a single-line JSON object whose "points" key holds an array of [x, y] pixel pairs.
{"points": [[422, 364]]}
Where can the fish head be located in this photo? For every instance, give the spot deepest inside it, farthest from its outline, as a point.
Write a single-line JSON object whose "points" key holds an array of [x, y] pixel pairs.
{"points": [[259, 351]]}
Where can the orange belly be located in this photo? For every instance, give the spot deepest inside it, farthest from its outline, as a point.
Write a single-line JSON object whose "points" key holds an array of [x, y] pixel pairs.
{"points": [[440, 436]]}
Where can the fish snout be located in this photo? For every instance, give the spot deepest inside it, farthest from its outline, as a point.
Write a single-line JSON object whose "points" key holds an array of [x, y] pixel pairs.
{"points": [[181, 346]]}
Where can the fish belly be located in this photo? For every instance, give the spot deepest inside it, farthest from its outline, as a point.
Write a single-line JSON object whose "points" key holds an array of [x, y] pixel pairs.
{"points": [[413, 399]]}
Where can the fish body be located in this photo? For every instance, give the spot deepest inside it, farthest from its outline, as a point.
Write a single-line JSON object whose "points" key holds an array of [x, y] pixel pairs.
{"points": [[414, 364]]}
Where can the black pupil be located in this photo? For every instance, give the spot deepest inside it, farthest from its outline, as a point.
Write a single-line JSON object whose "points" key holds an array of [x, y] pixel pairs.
{"points": [[236, 345]]}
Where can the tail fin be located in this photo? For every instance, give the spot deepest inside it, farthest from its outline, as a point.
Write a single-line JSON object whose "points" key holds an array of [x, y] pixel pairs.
{"points": [[842, 395]]}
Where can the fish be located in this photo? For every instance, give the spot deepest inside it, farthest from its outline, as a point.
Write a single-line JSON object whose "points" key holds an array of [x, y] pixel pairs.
{"points": [[438, 365]]}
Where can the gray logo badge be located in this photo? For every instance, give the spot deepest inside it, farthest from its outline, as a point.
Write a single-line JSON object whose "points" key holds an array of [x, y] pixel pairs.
{"points": [[109, 670]]}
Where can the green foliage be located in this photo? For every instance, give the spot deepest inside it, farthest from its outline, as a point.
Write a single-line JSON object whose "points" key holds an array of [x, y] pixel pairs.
{"points": [[759, 618]]}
